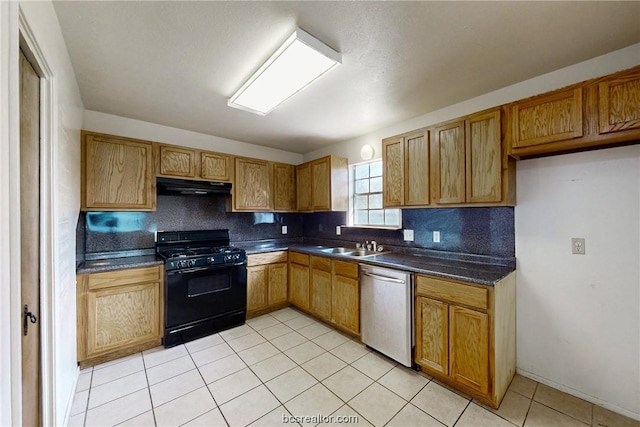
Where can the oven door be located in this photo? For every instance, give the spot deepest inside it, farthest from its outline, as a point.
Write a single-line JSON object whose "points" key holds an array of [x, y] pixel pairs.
{"points": [[204, 292]]}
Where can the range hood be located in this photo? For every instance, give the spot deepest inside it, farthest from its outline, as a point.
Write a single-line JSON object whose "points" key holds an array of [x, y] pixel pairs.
{"points": [[171, 186]]}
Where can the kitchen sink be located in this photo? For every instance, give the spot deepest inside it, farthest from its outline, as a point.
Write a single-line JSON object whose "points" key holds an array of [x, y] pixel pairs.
{"points": [[359, 253], [341, 251]]}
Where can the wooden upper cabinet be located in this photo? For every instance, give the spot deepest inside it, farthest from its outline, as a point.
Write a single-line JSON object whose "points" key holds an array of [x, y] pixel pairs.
{"points": [[619, 103], [323, 185], [393, 162], [190, 163], [449, 163], [597, 113], [216, 166], [549, 118], [457, 163], [117, 174], [251, 188], [416, 170], [177, 161], [406, 169], [284, 187], [483, 158], [303, 187]]}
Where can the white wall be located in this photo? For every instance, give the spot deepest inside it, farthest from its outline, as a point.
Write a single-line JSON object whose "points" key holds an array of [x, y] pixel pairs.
{"points": [[62, 157], [578, 323], [596, 67], [116, 125], [578, 316]]}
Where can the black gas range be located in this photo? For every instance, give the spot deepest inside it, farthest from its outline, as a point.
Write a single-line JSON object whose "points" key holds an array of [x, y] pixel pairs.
{"points": [[206, 284]]}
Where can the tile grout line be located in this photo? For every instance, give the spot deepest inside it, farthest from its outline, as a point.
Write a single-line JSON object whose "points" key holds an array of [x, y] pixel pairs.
{"points": [[153, 413], [524, 422], [86, 405], [208, 389]]}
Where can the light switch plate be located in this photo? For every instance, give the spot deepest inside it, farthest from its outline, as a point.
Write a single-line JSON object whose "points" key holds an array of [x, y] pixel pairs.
{"points": [[338, 230], [284, 229], [408, 235]]}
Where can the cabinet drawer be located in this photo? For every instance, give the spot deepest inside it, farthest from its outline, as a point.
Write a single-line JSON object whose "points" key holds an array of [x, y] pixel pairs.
{"points": [[298, 258], [319, 263], [452, 292], [126, 276], [348, 269], [266, 258]]}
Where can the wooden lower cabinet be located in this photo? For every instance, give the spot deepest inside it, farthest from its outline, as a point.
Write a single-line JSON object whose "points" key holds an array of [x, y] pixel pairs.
{"points": [[465, 335], [266, 282], [119, 313], [432, 334], [326, 288], [299, 280], [469, 347], [320, 287], [345, 296]]}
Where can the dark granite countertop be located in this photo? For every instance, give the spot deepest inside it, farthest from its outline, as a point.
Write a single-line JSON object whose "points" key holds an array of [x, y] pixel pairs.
{"points": [[105, 261], [451, 267]]}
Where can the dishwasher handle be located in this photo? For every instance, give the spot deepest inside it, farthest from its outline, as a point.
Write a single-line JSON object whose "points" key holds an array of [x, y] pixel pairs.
{"points": [[384, 278]]}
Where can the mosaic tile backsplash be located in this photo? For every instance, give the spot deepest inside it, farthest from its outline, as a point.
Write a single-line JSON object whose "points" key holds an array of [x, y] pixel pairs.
{"points": [[121, 231], [481, 231]]}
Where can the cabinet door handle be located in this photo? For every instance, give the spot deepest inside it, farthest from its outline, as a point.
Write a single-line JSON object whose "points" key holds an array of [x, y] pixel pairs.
{"points": [[384, 278]]}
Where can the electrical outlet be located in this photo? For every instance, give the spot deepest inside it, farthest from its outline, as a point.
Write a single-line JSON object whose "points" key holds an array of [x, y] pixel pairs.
{"points": [[338, 230], [436, 237], [408, 235], [577, 246], [284, 229]]}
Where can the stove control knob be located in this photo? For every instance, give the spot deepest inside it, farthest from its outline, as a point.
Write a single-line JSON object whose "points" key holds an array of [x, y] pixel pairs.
{"points": [[191, 262], [181, 264]]}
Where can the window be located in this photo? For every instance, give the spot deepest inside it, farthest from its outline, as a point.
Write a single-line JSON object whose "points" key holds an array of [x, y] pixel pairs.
{"points": [[365, 207]]}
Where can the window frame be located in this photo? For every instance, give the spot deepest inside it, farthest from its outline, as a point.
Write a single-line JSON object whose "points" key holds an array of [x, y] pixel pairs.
{"points": [[352, 193]]}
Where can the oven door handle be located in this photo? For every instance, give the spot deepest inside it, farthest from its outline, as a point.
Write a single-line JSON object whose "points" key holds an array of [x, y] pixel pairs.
{"points": [[207, 268], [189, 270]]}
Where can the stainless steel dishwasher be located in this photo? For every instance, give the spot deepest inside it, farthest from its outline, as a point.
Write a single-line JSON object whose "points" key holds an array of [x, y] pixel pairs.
{"points": [[386, 312]]}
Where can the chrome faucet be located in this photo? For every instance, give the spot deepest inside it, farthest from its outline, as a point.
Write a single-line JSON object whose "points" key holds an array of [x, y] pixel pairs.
{"points": [[374, 245]]}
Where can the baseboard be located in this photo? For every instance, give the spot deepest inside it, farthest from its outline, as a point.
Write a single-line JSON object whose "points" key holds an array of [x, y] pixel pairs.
{"points": [[607, 405]]}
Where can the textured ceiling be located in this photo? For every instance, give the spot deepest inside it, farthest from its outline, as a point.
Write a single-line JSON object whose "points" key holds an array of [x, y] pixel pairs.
{"points": [[176, 63]]}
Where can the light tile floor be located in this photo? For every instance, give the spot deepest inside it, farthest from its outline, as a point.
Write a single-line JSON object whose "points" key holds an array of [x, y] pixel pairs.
{"points": [[287, 364]]}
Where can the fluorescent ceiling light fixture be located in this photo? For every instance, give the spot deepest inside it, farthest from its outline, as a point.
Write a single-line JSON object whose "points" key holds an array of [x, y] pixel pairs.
{"points": [[298, 62]]}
